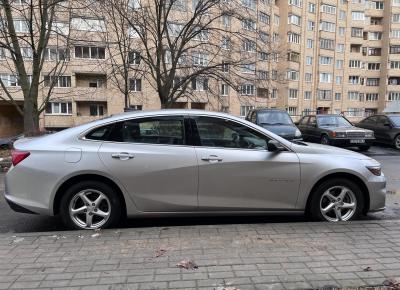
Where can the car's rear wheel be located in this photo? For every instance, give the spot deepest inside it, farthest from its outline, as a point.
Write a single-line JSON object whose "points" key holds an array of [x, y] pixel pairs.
{"points": [[90, 205], [397, 142], [325, 140], [364, 147], [336, 200]]}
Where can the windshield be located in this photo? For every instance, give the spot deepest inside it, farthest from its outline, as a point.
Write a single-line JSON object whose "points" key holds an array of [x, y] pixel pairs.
{"points": [[396, 120], [274, 118], [333, 121]]}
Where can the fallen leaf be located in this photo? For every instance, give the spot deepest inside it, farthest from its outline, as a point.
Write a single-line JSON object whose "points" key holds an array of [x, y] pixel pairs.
{"points": [[187, 264], [159, 253], [95, 235], [367, 269], [18, 240]]}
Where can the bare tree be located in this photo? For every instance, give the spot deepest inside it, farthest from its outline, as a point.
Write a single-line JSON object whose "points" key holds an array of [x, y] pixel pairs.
{"points": [[186, 48], [26, 26]]}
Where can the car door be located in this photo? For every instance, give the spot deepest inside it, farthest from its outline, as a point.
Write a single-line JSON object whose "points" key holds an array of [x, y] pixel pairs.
{"points": [[383, 128], [151, 158], [313, 131], [303, 127], [237, 172]]}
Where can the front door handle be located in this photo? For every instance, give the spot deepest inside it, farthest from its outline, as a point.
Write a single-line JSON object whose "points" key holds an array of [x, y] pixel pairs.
{"points": [[212, 158], [123, 155]]}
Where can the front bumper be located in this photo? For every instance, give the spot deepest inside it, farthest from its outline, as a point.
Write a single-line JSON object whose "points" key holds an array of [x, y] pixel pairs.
{"points": [[377, 193], [339, 142]]}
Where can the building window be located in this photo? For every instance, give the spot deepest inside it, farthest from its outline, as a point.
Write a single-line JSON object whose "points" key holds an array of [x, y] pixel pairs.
{"points": [[395, 64], [249, 24], [134, 57], [357, 15], [324, 95], [339, 80], [294, 37], [327, 43], [354, 63], [21, 26], [59, 108], [330, 9], [377, 5], [263, 17], [311, 7], [292, 111], [57, 81], [356, 32], [308, 77], [135, 85], [394, 96], [293, 75], [371, 97], [88, 24], [247, 89], [355, 80], [396, 18], [325, 60], [327, 26], [309, 60], [274, 94], [294, 19], [354, 112], [374, 35], [248, 68], [293, 93], [90, 52], [342, 31], [307, 95], [226, 43], [310, 25], [226, 20], [244, 110], [372, 82], [248, 45], [342, 15], [340, 47], [310, 43], [339, 63], [56, 54], [249, 4], [394, 49], [200, 84], [325, 77], [353, 96], [224, 90], [297, 3], [338, 96], [294, 56], [200, 59], [96, 110]]}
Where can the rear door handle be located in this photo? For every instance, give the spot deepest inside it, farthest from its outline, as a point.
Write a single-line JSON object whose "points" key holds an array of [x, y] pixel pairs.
{"points": [[123, 155], [212, 158]]}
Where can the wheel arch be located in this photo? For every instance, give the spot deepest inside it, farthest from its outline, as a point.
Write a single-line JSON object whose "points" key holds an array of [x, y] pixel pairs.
{"points": [[345, 175], [85, 177]]}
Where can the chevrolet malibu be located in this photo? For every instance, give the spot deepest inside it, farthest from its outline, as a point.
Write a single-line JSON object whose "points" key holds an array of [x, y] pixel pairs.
{"points": [[186, 162]]}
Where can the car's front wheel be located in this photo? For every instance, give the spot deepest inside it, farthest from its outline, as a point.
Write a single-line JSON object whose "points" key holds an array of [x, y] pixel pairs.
{"points": [[336, 200], [90, 205], [325, 140]]}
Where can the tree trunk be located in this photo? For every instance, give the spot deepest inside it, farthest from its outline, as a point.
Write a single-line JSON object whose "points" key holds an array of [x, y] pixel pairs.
{"points": [[31, 117]]}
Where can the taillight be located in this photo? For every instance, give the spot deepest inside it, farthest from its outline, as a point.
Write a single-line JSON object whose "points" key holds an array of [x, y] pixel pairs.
{"points": [[18, 156]]}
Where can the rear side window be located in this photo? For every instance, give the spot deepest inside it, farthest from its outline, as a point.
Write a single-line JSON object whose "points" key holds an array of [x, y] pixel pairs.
{"points": [[100, 133], [156, 130]]}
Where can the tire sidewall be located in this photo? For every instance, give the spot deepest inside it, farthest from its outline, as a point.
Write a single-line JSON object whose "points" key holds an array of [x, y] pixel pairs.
{"points": [[115, 202], [314, 207], [326, 138], [395, 140]]}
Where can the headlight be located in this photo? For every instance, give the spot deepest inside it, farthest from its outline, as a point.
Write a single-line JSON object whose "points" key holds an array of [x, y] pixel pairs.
{"points": [[375, 170], [369, 134], [298, 133], [341, 135]]}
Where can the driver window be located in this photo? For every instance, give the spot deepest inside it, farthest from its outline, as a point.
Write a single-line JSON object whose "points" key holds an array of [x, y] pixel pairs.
{"points": [[312, 122], [215, 132]]}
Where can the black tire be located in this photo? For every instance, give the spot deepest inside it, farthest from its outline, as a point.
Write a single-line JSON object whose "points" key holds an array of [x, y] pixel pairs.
{"points": [[364, 147], [114, 201], [314, 212], [5, 147], [325, 140], [396, 142]]}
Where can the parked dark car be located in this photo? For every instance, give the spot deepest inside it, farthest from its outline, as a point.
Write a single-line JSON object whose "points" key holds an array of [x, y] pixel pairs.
{"points": [[276, 121], [335, 130], [386, 128], [6, 143]]}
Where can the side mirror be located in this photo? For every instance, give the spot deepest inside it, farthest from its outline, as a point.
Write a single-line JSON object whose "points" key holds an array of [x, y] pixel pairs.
{"points": [[275, 146], [387, 125]]}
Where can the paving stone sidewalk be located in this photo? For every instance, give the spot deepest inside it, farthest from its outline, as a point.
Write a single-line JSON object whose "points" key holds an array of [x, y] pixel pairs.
{"points": [[245, 256]]}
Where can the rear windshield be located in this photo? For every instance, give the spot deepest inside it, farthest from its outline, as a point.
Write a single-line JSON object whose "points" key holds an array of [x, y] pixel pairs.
{"points": [[274, 118]]}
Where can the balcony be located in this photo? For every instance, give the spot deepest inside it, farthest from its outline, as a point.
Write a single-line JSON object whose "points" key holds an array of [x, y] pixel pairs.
{"points": [[394, 81]]}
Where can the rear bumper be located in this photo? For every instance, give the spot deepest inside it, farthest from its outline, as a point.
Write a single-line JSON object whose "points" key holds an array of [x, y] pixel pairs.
{"points": [[18, 208]]}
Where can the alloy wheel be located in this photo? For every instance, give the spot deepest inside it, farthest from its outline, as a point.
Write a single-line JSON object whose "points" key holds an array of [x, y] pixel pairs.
{"points": [[397, 142], [324, 140], [89, 209], [338, 203]]}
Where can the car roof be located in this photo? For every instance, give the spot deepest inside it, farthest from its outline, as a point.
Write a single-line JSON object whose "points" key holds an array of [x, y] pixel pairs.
{"points": [[269, 109]]}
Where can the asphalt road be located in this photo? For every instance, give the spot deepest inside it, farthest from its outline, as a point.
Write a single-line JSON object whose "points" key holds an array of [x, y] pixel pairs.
{"points": [[11, 222]]}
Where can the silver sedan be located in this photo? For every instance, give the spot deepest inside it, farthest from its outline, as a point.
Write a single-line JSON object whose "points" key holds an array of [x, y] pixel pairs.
{"points": [[186, 162]]}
